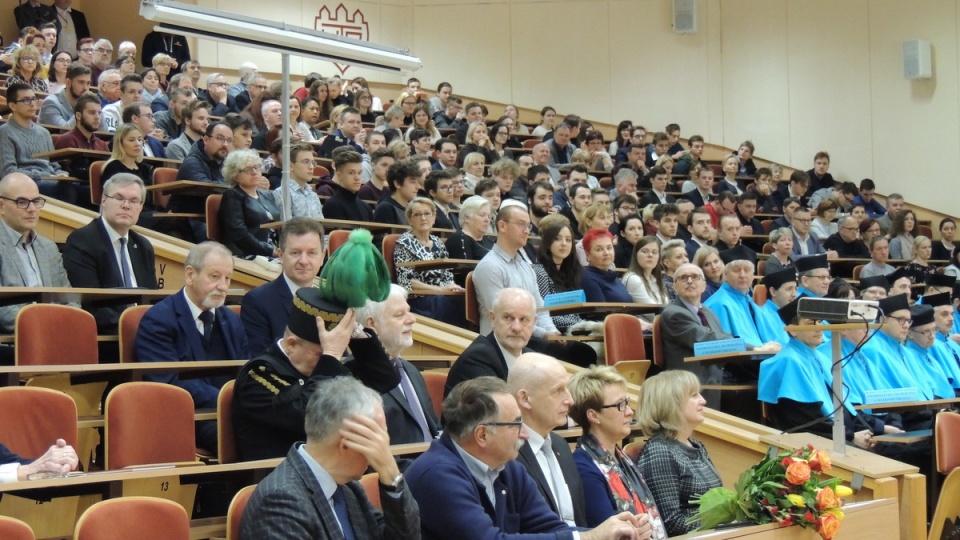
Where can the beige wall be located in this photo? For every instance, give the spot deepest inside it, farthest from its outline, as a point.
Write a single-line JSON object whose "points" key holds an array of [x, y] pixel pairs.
{"points": [[794, 76]]}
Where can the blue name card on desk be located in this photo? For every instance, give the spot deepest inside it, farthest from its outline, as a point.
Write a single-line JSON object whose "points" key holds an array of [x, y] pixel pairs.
{"points": [[706, 348], [564, 298]]}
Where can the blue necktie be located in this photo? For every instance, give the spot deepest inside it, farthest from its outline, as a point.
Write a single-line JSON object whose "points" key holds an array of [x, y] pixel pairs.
{"points": [[125, 264], [413, 402], [340, 508]]}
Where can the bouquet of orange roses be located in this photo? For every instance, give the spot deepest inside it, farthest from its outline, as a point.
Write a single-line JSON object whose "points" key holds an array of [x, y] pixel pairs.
{"points": [[785, 489]]}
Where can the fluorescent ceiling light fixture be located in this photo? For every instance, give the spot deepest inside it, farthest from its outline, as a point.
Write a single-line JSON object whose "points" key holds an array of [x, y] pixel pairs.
{"points": [[190, 20]]}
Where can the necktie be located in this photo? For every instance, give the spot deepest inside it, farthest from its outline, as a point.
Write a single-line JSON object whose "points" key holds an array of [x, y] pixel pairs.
{"points": [[125, 264], [561, 493], [703, 317], [413, 402], [207, 319], [340, 508]]}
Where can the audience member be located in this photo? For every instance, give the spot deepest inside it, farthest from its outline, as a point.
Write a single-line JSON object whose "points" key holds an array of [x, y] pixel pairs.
{"points": [[704, 191], [130, 92], [813, 273], [873, 207], [216, 95], [471, 241], [943, 248], [819, 177], [203, 164], [612, 482], [127, 157], [902, 231], [734, 306], [676, 466], [407, 403], [196, 118], [172, 121], [598, 281], [895, 205], [194, 325], [58, 460], [247, 72], [348, 129], [879, 255], [245, 207], [344, 203], [106, 253], [58, 109], [781, 290], [403, 181], [439, 186], [708, 259], [30, 260], [315, 490], [85, 122], [846, 241], [804, 243], [304, 201], [140, 115]]}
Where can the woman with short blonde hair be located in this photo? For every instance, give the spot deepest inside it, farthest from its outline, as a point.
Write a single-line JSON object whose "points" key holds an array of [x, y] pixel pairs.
{"points": [[611, 481], [676, 465]]}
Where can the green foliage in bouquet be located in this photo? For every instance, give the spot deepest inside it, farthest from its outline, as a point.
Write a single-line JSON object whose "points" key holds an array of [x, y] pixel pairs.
{"points": [[785, 489]]}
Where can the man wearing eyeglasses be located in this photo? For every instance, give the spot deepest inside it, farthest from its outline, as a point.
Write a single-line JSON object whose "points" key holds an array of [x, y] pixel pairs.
{"points": [[216, 95], [26, 258], [106, 253], [813, 273], [472, 486], [933, 365], [102, 57], [203, 164], [21, 139]]}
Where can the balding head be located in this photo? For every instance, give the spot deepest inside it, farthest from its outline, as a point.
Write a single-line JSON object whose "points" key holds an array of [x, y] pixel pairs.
{"points": [[539, 383], [18, 188], [513, 317]]}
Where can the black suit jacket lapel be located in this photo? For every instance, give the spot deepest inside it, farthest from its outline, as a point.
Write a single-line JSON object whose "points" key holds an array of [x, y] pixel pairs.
{"points": [[530, 462], [317, 497], [113, 278]]}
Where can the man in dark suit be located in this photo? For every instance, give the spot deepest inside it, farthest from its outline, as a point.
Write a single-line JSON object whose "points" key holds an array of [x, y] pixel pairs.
{"points": [[266, 308], [193, 324], [512, 318], [59, 459], [539, 383], [483, 432], [20, 245], [314, 493], [407, 404], [33, 13], [105, 253], [704, 192], [796, 188], [272, 390]]}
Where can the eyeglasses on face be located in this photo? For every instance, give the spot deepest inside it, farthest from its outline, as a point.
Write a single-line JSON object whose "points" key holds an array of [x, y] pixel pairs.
{"points": [[688, 277], [517, 424], [121, 200], [421, 215], [903, 321], [23, 203], [621, 405], [28, 101]]}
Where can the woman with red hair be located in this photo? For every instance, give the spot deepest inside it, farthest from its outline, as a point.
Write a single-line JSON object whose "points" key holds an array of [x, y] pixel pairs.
{"points": [[598, 281]]}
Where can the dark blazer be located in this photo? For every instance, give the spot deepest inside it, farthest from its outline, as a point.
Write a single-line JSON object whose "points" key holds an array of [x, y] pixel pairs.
{"points": [[240, 219], [562, 450], [90, 261], [264, 312], [482, 357], [459, 506], [696, 198], [27, 15], [289, 503], [168, 333], [156, 147], [401, 425], [651, 198], [462, 246]]}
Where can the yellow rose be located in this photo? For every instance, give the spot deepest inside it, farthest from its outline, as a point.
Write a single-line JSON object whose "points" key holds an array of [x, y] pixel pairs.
{"points": [[796, 500], [843, 491], [838, 513]]}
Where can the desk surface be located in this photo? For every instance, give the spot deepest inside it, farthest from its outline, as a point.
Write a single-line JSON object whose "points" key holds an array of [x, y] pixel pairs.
{"points": [[741, 357], [603, 307], [855, 460], [903, 406], [454, 265], [189, 187], [94, 297]]}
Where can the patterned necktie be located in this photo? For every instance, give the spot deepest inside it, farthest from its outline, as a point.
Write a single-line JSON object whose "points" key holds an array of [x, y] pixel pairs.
{"points": [[413, 402], [207, 319], [125, 264], [703, 317]]}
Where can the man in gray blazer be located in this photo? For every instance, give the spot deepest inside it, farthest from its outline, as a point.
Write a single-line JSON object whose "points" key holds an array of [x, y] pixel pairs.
{"points": [[689, 322], [539, 382], [408, 407], [57, 109], [26, 258], [314, 493]]}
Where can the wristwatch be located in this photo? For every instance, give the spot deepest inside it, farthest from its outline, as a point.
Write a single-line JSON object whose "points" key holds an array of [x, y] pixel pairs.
{"points": [[396, 486]]}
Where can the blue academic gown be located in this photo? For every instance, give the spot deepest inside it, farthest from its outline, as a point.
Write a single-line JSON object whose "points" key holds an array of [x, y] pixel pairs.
{"points": [[736, 312], [797, 373], [801, 291], [859, 374], [892, 360], [770, 325], [952, 347], [928, 368], [956, 321]]}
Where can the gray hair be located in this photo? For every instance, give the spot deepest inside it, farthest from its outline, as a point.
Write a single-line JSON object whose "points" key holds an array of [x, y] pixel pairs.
{"points": [[669, 246], [267, 103], [111, 71], [471, 206], [335, 400], [198, 254], [102, 41], [624, 175], [213, 76], [237, 161], [374, 310], [730, 266], [470, 404], [503, 293], [246, 71], [393, 113], [848, 218], [125, 46], [122, 180], [689, 266], [777, 234], [894, 197]]}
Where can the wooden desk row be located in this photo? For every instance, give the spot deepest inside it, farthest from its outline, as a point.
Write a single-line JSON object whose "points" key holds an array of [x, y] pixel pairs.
{"points": [[92, 297]]}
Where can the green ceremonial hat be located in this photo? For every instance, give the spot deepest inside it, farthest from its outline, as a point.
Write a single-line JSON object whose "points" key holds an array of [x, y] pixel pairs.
{"points": [[355, 273]]}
